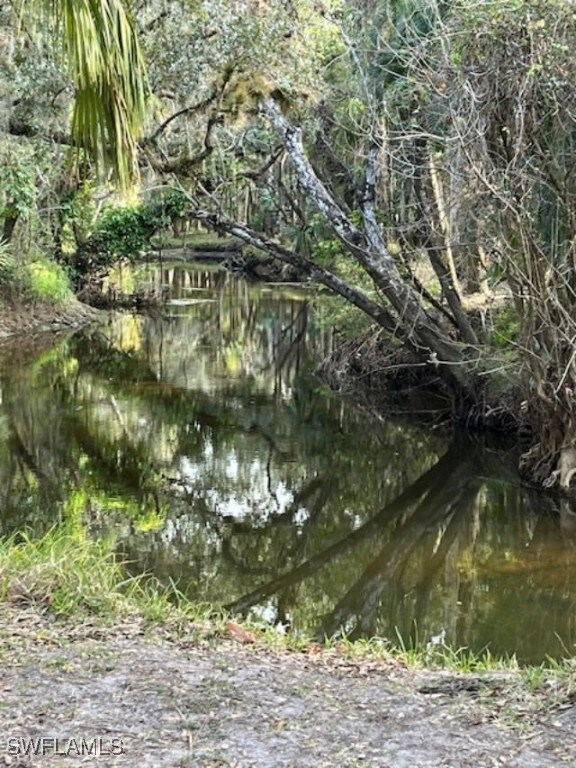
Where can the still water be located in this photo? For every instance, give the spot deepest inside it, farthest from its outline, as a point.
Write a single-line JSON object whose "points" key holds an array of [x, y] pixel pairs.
{"points": [[201, 440]]}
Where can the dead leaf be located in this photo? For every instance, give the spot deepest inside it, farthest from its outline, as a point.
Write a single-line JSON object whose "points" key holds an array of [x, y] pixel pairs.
{"points": [[238, 633], [315, 648]]}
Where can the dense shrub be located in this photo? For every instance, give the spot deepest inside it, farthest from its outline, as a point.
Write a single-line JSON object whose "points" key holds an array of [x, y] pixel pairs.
{"points": [[123, 232]]}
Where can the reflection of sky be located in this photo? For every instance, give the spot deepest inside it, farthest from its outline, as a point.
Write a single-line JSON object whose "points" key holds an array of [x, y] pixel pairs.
{"points": [[267, 613], [258, 499]]}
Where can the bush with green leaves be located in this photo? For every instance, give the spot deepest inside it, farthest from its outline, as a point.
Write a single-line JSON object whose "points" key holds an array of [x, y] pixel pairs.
{"points": [[123, 232], [36, 278], [120, 232], [17, 181], [8, 268], [46, 280]]}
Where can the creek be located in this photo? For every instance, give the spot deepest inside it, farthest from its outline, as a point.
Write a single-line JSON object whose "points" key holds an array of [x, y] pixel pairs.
{"points": [[200, 439]]}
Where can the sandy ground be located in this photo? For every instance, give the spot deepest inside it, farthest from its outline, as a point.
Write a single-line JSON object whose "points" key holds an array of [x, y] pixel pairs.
{"points": [[122, 698]]}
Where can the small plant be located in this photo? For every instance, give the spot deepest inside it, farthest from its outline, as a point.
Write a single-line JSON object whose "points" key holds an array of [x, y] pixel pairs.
{"points": [[67, 573], [506, 327], [47, 281], [17, 180], [70, 574], [10, 274], [37, 279]]}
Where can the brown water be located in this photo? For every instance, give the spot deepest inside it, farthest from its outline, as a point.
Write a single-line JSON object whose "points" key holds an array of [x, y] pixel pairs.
{"points": [[201, 440]]}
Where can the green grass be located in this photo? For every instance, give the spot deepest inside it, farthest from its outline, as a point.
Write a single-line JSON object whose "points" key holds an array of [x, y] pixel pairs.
{"points": [[68, 574], [71, 575], [425, 656]]}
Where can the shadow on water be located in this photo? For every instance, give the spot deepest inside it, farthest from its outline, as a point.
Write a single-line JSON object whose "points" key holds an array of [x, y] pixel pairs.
{"points": [[199, 439]]}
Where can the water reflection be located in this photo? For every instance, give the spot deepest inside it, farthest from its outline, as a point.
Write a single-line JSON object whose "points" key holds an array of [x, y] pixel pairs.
{"points": [[200, 440]]}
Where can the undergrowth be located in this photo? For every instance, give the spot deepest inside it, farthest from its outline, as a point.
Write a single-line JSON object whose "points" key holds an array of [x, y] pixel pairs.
{"points": [[32, 278], [70, 574]]}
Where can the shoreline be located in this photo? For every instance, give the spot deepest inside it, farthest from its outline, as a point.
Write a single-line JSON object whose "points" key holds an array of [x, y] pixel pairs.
{"points": [[39, 317], [180, 695]]}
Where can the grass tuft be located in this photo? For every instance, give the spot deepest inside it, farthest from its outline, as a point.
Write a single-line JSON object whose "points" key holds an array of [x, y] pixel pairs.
{"points": [[63, 571], [71, 575]]}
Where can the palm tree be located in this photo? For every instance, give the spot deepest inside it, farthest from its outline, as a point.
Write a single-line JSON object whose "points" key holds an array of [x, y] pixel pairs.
{"points": [[99, 43]]}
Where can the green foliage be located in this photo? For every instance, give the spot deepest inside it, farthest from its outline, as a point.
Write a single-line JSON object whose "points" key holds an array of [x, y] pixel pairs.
{"points": [[506, 327], [122, 232], [17, 179], [67, 573], [46, 280], [63, 571], [161, 209], [76, 215], [335, 312], [71, 575], [39, 280], [415, 652], [102, 50], [314, 238], [10, 273]]}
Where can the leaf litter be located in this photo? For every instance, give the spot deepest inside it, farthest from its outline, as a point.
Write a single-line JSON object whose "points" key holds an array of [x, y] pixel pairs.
{"points": [[185, 700]]}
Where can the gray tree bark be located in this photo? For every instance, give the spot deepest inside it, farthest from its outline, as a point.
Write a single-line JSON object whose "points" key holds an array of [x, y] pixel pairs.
{"points": [[419, 327]]}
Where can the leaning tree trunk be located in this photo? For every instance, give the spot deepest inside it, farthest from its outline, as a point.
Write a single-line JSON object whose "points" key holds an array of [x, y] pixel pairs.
{"points": [[418, 326], [440, 337]]}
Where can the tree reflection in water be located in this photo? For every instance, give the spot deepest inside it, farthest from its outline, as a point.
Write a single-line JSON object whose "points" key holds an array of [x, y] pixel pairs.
{"points": [[201, 441]]}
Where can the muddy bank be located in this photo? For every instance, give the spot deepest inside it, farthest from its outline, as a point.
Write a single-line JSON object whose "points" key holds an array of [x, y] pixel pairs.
{"points": [[30, 319], [188, 699]]}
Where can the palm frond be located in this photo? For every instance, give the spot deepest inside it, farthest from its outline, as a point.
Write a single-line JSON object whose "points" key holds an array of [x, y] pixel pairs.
{"points": [[101, 47]]}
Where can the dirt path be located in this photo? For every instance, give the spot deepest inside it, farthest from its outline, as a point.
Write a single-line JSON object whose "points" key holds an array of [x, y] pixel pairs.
{"points": [[177, 703]]}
